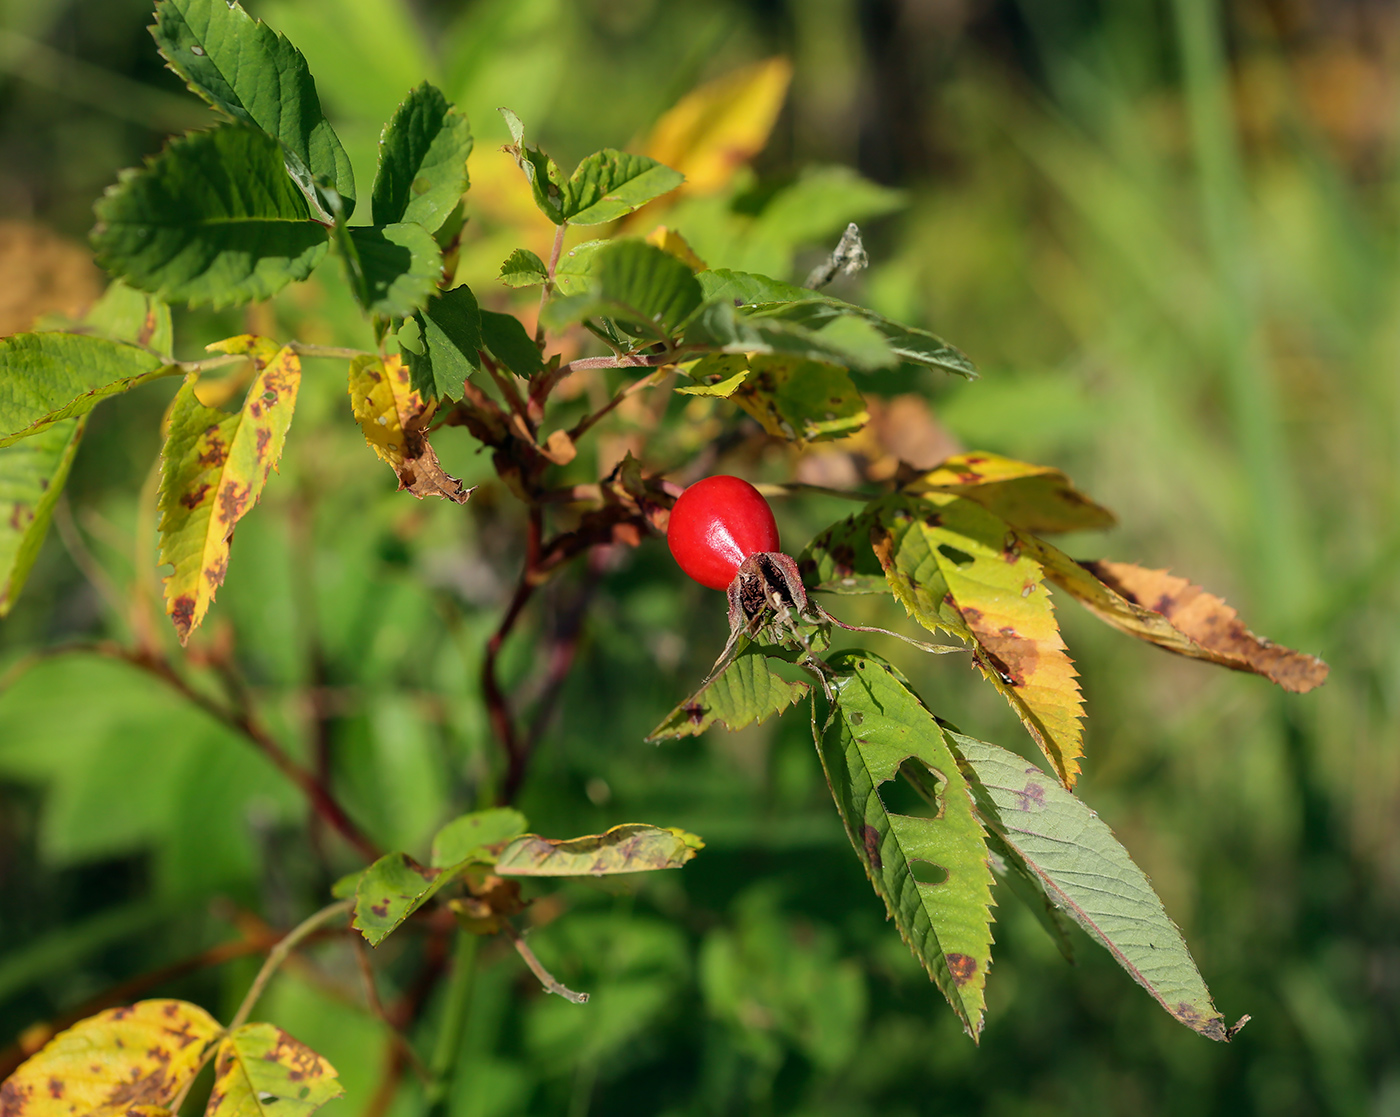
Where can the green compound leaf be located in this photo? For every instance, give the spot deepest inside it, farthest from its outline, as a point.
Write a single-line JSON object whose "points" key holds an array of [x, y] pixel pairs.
{"points": [[647, 290], [509, 343], [253, 74], [467, 838], [48, 377], [957, 568], [523, 269], [611, 184], [1033, 498], [801, 400], [445, 350], [745, 692], [422, 161], [633, 847], [1083, 870], [261, 1071], [32, 475], [878, 731], [400, 266], [841, 560], [391, 890], [212, 219]]}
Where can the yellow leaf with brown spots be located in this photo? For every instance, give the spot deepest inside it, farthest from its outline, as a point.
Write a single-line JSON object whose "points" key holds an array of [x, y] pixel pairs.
{"points": [[956, 567], [214, 468], [394, 420], [261, 1071], [1029, 497], [134, 1059]]}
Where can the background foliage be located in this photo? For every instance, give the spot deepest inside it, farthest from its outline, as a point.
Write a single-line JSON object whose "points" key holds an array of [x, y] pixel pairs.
{"points": [[1179, 280]]}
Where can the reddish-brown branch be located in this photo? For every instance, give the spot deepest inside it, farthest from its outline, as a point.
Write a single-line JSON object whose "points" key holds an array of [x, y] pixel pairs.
{"points": [[497, 705]]}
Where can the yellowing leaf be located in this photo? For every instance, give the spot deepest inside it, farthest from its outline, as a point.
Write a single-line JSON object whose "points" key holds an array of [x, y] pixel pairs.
{"points": [[719, 126], [1032, 498], [668, 240], [633, 847], [214, 468], [261, 1071], [394, 420], [954, 566], [128, 1059], [800, 400]]}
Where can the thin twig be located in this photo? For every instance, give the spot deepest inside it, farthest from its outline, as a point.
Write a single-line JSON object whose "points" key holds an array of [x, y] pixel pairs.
{"points": [[497, 705], [278, 955], [627, 360], [585, 424], [548, 287], [536, 967]]}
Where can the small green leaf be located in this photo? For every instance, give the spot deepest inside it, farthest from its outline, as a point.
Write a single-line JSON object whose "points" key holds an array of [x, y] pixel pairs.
{"points": [[422, 161], [391, 890], [633, 847], [718, 375], [611, 184], [445, 350], [543, 174], [32, 475], [212, 219], [508, 341], [400, 264], [261, 1071], [467, 838], [1080, 866], [841, 559], [745, 692], [126, 314], [646, 289], [249, 71], [523, 269], [47, 377], [801, 400], [878, 731]]}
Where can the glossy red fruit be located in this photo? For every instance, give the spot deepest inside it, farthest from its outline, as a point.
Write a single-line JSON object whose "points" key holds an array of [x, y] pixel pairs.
{"points": [[716, 524]]}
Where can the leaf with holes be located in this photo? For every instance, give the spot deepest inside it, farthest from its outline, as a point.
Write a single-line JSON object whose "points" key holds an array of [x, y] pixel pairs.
{"points": [[48, 377], [394, 418], [212, 219], [957, 568], [633, 847], [877, 730], [32, 476], [261, 1071], [141, 1056], [1079, 865], [745, 692], [841, 560], [422, 161], [801, 400], [214, 467], [470, 837], [1029, 497], [247, 70]]}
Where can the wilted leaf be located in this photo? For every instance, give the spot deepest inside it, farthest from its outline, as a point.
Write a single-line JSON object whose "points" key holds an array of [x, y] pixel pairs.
{"points": [[523, 269], [32, 476], [139, 1056], [47, 377], [1033, 498], [391, 890], [422, 161], [213, 470], [745, 692], [633, 847], [212, 219], [393, 419], [957, 568], [1083, 869], [467, 837], [878, 731], [800, 400], [261, 1071]]}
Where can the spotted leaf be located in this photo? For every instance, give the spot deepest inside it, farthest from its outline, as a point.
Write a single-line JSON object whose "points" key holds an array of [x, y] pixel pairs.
{"points": [[633, 847], [261, 1071], [1028, 497]]}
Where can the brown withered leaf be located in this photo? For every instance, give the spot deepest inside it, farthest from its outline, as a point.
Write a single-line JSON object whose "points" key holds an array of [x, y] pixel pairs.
{"points": [[394, 420]]}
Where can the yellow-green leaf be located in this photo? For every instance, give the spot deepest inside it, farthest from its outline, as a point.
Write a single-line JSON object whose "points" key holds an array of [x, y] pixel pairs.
{"points": [[261, 1071], [214, 468], [633, 847], [1032, 498], [801, 400], [394, 420], [140, 1056], [956, 567]]}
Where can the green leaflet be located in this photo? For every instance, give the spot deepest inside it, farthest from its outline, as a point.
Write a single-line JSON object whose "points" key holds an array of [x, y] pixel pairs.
{"points": [[261, 1071], [212, 219], [245, 69], [391, 890], [633, 847], [611, 184], [719, 325], [422, 161], [821, 202], [445, 351], [399, 267], [877, 730], [745, 692], [467, 837], [523, 268], [1082, 868], [649, 292], [508, 342], [32, 475], [575, 269], [52, 376]]}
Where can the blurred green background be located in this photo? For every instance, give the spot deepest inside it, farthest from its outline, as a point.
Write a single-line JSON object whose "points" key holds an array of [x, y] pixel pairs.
{"points": [[1166, 232]]}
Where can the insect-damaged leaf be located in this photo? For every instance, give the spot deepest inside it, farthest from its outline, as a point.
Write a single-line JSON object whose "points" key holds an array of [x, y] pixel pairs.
{"points": [[394, 418], [467, 838], [391, 890], [800, 400], [143, 1055], [1032, 498], [746, 691], [877, 731], [213, 470], [956, 567], [633, 847], [261, 1071], [841, 559], [422, 161], [1081, 867], [32, 475]]}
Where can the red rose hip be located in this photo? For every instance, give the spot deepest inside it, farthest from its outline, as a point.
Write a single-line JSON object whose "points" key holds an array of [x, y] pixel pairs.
{"points": [[715, 525]]}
